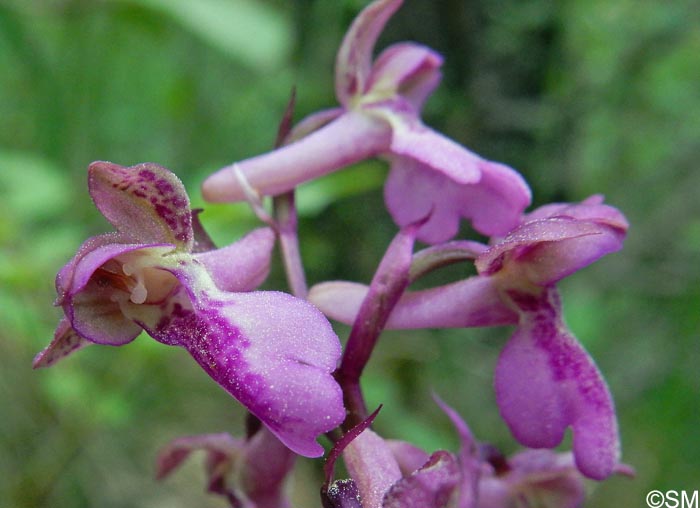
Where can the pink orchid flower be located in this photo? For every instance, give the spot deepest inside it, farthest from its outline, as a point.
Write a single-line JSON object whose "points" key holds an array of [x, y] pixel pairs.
{"points": [[247, 472], [271, 351], [379, 115], [545, 381]]}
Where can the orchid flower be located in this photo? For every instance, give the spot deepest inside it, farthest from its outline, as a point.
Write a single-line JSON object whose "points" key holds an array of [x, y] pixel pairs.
{"points": [[271, 351], [532, 477], [387, 473], [540, 478], [379, 114], [248, 472], [395, 474], [545, 381]]}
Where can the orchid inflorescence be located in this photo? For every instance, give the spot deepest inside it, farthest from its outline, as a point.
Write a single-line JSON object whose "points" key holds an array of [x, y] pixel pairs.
{"points": [[277, 353]]}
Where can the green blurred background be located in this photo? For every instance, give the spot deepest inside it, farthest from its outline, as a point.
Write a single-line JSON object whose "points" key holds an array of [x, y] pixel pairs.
{"points": [[581, 96]]}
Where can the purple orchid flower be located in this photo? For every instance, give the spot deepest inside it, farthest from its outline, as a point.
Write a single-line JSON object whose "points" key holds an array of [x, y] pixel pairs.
{"points": [[396, 474], [545, 381], [271, 351], [545, 476], [540, 478], [380, 115], [248, 472], [387, 473]]}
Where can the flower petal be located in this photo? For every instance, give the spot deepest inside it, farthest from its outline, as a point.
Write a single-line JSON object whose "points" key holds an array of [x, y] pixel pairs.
{"points": [[467, 303], [65, 341], [271, 351], [253, 469], [350, 138], [372, 465], [545, 381], [222, 449], [266, 465], [93, 303], [66, 275], [409, 457], [85, 267], [590, 209], [243, 265], [407, 69], [548, 250], [99, 319], [146, 202], [354, 60], [427, 147], [202, 240], [544, 477], [494, 203], [339, 300], [553, 476], [432, 486]]}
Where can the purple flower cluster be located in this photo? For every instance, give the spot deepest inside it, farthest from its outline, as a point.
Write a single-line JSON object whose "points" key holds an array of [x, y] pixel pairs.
{"points": [[277, 353]]}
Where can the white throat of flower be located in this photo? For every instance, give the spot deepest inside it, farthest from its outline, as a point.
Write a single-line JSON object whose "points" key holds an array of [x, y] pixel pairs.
{"points": [[139, 293]]}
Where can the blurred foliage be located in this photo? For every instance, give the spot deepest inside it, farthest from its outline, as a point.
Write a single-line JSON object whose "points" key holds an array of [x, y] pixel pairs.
{"points": [[581, 96]]}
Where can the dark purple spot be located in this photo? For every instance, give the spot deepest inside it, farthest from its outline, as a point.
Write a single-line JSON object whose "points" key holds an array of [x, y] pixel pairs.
{"points": [[147, 174], [164, 187], [179, 202]]}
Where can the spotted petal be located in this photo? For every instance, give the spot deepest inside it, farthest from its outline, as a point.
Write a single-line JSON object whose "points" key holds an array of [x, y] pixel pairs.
{"points": [[65, 341], [146, 202]]}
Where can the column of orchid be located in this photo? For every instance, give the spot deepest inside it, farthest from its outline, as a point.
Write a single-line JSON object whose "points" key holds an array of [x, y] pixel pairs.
{"points": [[277, 353]]}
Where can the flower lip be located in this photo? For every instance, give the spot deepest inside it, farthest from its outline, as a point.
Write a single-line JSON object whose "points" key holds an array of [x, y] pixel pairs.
{"points": [[545, 382]]}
